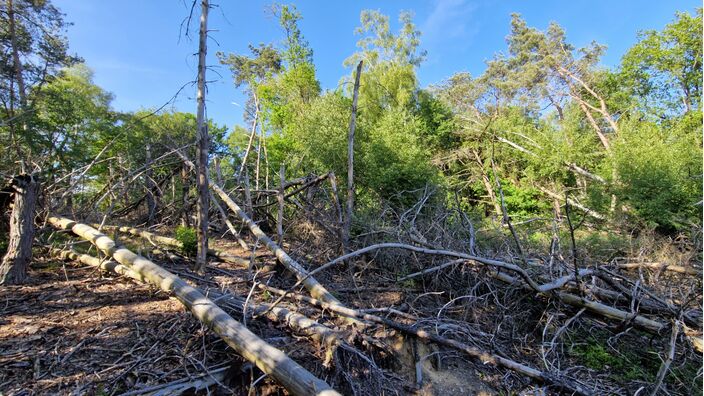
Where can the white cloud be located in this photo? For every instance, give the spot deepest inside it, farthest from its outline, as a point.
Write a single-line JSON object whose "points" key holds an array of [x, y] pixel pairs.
{"points": [[449, 19]]}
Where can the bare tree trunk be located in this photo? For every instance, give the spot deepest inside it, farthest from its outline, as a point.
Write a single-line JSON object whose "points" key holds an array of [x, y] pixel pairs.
{"points": [[150, 185], [350, 160], [247, 195], [17, 64], [266, 164], [185, 217], [296, 379], [218, 177], [259, 160], [338, 207], [218, 171], [280, 213], [602, 138], [488, 186], [251, 138], [202, 145], [13, 269]]}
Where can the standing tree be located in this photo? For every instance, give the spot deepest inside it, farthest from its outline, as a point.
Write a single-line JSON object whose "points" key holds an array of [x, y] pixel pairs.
{"points": [[350, 159], [32, 50], [13, 269], [202, 144]]}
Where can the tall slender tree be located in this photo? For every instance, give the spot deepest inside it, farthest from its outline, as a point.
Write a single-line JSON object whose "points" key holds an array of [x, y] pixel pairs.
{"points": [[202, 144]]}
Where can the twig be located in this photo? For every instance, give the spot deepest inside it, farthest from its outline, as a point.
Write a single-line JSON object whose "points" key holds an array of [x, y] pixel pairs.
{"points": [[665, 366]]}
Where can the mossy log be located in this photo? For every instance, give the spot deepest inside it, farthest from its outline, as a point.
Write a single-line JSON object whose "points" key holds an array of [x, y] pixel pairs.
{"points": [[292, 376]]}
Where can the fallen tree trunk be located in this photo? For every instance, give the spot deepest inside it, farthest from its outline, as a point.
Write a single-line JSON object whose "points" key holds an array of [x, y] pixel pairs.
{"points": [[524, 281], [160, 240], [229, 224], [297, 322], [572, 202], [484, 356], [661, 266], [270, 360], [314, 287]]}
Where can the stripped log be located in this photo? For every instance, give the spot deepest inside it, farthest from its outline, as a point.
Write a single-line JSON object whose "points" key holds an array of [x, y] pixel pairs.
{"points": [[661, 267], [484, 356], [270, 360], [314, 287], [227, 221], [160, 240], [299, 323], [572, 202]]}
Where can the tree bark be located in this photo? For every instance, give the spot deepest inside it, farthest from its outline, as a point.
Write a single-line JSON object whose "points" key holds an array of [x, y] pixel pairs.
{"points": [[487, 184], [350, 160], [17, 64], [185, 217], [280, 213], [270, 360], [251, 137], [159, 240], [13, 269], [151, 186], [314, 287], [202, 145]]}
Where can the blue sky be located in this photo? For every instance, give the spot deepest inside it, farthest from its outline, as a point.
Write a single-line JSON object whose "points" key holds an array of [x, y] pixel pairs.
{"points": [[136, 51]]}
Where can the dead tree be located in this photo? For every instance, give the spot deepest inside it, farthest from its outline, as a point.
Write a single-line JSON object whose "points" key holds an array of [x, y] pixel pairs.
{"points": [[350, 159], [152, 192], [296, 379], [13, 269], [202, 145]]}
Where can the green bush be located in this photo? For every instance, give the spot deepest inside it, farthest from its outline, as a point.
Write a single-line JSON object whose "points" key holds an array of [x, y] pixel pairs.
{"points": [[659, 169], [189, 240]]}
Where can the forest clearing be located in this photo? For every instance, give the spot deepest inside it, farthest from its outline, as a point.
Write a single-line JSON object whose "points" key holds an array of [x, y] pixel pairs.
{"points": [[534, 229]]}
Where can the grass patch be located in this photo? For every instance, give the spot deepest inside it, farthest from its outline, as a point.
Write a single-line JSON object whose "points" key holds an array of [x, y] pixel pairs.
{"points": [[624, 363]]}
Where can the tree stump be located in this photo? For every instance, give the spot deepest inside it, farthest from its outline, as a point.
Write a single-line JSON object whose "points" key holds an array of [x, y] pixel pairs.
{"points": [[13, 269]]}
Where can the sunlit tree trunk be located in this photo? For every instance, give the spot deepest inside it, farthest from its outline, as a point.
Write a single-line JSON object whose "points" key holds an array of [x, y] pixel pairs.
{"points": [[13, 269], [350, 159], [202, 145]]}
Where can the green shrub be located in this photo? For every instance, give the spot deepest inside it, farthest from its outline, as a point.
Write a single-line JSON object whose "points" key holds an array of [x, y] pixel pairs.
{"points": [[189, 240]]}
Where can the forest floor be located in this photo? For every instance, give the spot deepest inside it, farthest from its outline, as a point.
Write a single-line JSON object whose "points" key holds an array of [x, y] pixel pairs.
{"points": [[74, 330]]}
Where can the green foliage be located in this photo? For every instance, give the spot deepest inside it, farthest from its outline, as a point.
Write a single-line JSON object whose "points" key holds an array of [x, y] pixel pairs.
{"points": [[523, 202], [296, 49], [380, 45], [264, 62], [41, 50], [664, 68], [393, 158], [188, 238], [660, 170], [71, 117]]}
